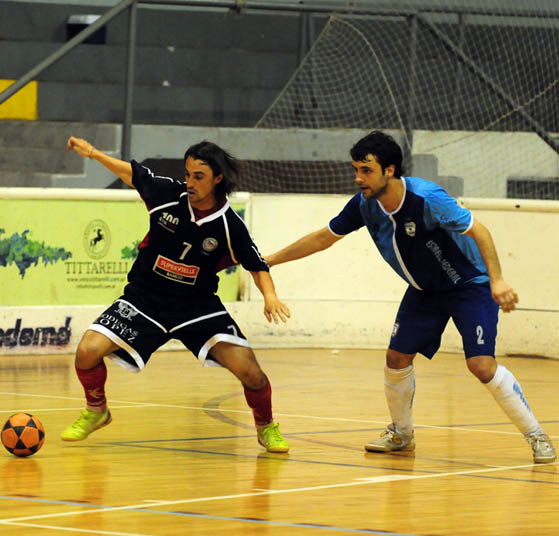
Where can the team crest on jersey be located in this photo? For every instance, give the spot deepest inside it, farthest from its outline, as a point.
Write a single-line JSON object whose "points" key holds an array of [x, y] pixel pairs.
{"points": [[126, 311], [409, 226], [209, 244]]}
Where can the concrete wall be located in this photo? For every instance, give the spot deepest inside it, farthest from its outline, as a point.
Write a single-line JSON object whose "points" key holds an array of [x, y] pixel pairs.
{"points": [[192, 66], [218, 67]]}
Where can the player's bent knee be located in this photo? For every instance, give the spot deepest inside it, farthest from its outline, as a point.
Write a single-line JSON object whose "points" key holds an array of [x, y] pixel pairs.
{"points": [[87, 357], [241, 361], [91, 350], [482, 367], [258, 380], [398, 360], [251, 377]]}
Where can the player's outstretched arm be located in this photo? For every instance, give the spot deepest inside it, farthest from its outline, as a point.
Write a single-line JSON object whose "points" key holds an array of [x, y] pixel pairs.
{"points": [[274, 309], [120, 168], [502, 292], [307, 245]]}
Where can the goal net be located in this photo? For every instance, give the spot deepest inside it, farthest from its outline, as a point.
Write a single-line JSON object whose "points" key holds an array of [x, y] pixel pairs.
{"points": [[470, 94]]}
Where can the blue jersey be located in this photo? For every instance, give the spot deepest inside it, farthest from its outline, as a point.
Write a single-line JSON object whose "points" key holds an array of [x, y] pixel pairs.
{"points": [[422, 239]]}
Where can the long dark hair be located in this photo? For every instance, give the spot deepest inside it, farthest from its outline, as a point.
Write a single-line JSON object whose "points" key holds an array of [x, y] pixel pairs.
{"points": [[383, 147], [220, 161]]}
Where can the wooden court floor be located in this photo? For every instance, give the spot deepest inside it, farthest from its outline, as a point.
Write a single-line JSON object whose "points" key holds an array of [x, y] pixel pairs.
{"points": [[181, 458]]}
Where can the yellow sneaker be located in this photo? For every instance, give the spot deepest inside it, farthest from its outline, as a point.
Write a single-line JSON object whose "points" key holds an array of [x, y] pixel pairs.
{"points": [[271, 439], [87, 422]]}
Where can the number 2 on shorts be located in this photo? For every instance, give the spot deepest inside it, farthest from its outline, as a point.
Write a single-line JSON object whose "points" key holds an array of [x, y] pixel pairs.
{"points": [[479, 333]]}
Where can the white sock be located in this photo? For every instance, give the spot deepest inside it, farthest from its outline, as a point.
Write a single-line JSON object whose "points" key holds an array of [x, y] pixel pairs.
{"points": [[399, 387], [509, 396]]}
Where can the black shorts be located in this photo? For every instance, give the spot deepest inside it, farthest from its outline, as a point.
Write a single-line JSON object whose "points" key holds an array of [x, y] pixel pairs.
{"points": [[139, 329]]}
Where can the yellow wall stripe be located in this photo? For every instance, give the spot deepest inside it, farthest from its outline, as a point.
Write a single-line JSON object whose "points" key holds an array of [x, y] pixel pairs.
{"points": [[22, 105]]}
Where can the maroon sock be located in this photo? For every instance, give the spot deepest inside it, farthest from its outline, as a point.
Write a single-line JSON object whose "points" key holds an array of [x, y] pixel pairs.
{"points": [[260, 401], [93, 381]]}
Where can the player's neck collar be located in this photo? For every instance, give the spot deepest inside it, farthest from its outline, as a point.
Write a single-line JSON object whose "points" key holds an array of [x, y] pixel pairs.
{"points": [[199, 216]]}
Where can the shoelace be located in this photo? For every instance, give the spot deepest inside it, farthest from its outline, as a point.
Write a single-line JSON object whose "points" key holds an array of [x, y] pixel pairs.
{"points": [[540, 442], [273, 433], [78, 425], [82, 419]]}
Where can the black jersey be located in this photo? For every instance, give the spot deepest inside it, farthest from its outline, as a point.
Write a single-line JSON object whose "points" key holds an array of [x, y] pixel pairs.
{"points": [[179, 258]]}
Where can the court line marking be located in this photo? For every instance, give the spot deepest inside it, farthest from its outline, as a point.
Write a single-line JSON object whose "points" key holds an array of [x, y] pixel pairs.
{"points": [[45, 410], [209, 516], [391, 478], [73, 529], [356, 482], [338, 464], [59, 397], [143, 405], [270, 523]]}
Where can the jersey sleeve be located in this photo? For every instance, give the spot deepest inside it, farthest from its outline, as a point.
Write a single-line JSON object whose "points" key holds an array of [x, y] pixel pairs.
{"points": [[349, 219], [244, 250], [153, 189], [442, 210]]}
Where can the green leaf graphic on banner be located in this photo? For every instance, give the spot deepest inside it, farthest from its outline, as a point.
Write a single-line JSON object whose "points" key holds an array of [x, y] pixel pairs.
{"points": [[19, 250], [130, 252]]}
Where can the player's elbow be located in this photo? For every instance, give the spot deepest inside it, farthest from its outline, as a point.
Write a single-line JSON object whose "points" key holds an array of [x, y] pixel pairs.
{"points": [[325, 239], [477, 229]]}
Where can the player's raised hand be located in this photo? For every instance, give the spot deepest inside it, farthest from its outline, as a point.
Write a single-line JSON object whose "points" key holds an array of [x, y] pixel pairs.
{"points": [[81, 146], [274, 310]]}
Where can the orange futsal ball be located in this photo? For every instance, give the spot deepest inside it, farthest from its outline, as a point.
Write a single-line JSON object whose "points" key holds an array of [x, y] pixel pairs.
{"points": [[23, 434]]}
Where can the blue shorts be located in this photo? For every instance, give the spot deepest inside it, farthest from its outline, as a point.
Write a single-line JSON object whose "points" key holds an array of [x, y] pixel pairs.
{"points": [[422, 318]]}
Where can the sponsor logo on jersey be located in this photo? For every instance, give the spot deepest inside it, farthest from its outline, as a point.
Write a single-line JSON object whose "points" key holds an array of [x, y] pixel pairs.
{"points": [[209, 244], [395, 329], [409, 226], [181, 273], [126, 311], [447, 268], [168, 222]]}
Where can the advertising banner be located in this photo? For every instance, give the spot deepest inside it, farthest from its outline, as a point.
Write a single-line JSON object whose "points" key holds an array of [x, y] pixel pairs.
{"points": [[75, 252]]}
